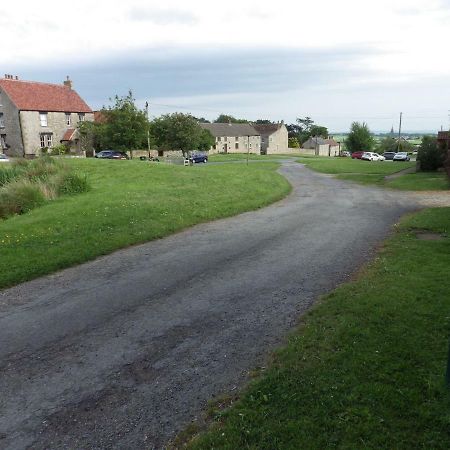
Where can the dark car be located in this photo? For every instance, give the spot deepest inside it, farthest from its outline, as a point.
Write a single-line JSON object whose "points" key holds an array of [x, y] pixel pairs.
{"points": [[389, 155], [111, 154], [198, 158], [357, 155]]}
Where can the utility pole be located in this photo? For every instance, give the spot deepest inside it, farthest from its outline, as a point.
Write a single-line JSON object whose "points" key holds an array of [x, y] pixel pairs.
{"points": [[148, 129], [399, 132]]}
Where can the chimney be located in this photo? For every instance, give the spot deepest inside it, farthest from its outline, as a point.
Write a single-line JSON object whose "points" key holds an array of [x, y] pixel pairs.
{"points": [[17, 77], [68, 82]]}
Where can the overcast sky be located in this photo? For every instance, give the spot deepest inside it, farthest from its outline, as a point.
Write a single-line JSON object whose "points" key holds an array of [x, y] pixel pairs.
{"points": [[334, 61]]}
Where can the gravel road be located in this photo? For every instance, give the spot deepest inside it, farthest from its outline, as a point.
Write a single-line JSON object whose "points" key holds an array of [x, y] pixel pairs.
{"points": [[124, 351]]}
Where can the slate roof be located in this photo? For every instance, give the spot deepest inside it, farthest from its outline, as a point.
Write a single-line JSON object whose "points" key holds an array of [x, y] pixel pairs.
{"points": [[34, 96], [227, 129], [267, 128]]}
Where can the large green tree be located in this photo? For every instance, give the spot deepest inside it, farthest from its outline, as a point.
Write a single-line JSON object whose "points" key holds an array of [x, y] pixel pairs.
{"points": [[123, 126], [359, 138], [225, 118], [180, 131], [304, 128]]}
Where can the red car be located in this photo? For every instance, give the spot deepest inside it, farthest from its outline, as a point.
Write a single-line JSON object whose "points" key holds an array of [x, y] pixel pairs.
{"points": [[357, 155]]}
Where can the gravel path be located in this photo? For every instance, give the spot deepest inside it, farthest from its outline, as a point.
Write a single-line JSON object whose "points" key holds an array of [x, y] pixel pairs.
{"points": [[124, 351]]}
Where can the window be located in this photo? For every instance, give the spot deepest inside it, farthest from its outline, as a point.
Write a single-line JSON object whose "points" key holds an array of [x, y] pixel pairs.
{"points": [[43, 119], [236, 146], [68, 119], [236, 138], [219, 138], [2, 121], [81, 117], [46, 140], [3, 141]]}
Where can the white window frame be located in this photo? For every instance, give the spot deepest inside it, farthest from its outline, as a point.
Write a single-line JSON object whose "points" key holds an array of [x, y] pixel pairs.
{"points": [[2, 121], [3, 141], [42, 140], [81, 117], [43, 119], [49, 140], [68, 119]]}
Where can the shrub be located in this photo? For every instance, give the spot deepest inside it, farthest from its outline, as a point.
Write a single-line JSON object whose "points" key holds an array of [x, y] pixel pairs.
{"points": [[19, 197], [72, 183], [59, 150], [430, 155]]}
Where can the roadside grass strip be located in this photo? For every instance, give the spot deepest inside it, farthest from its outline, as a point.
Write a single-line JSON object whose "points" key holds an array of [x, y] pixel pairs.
{"points": [[366, 367], [252, 157], [374, 172], [129, 202]]}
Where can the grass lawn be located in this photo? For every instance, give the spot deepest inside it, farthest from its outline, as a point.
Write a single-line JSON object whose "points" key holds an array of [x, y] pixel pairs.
{"points": [[243, 157], [365, 368], [366, 172], [130, 202]]}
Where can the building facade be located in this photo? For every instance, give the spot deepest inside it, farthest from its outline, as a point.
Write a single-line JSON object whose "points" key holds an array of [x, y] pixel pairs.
{"points": [[234, 138], [34, 117], [274, 138], [321, 147]]}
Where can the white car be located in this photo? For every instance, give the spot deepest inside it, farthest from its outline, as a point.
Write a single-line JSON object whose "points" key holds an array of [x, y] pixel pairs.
{"points": [[3, 158], [370, 156], [401, 156]]}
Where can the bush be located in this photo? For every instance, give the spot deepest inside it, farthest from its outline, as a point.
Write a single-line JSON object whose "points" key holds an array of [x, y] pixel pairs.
{"points": [[19, 197], [430, 155], [72, 183]]}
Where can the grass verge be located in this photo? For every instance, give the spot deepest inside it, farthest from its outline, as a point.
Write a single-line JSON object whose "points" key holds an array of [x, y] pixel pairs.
{"points": [[365, 369], [374, 172], [129, 202], [252, 157]]}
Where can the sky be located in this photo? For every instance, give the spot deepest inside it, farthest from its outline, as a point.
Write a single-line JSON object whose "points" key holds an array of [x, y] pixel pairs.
{"points": [[336, 62]]}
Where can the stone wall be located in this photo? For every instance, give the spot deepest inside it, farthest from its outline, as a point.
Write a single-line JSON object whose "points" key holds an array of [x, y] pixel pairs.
{"points": [[11, 130], [278, 141]]}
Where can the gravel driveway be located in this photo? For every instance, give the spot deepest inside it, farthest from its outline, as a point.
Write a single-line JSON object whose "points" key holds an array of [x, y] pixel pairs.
{"points": [[124, 351]]}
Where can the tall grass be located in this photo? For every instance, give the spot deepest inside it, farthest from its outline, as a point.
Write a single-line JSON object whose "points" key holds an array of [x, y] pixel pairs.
{"points": [[25, 185]]}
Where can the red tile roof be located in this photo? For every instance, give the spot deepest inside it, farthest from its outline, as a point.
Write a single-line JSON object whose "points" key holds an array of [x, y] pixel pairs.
{"points": [[68, 135], [33, 96]]}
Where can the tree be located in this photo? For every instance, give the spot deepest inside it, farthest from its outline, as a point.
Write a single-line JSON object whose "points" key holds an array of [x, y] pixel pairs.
{"points": [[305, 128], [225, 118], [263, 122], [359, 138], [180, 131], [431, 156], [125, 126], [293, 142]]}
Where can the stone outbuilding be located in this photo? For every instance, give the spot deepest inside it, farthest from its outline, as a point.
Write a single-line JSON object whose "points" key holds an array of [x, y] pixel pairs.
{"points": [[35, 117], [321, 147], [274, 138]]}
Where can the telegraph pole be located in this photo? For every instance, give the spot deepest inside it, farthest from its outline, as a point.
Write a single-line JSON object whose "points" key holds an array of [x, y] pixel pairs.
{"points": [[399, 132], [148, 129]]}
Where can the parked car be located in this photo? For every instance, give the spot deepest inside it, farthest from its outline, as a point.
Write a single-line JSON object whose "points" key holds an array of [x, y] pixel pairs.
{"points": [[357, 155], [111, 154], [370, 156], [389, 155], [198, 158], [401, 156], [3, 158]]}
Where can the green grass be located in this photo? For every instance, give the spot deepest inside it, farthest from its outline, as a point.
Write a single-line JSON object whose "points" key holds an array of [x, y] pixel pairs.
{"points": [[243, 157], [129, 202], [367, 172], [365, 369], [421, 181]]}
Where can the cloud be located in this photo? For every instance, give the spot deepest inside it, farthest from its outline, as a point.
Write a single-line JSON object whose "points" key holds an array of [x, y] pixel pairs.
{"points": [[162, 16]]}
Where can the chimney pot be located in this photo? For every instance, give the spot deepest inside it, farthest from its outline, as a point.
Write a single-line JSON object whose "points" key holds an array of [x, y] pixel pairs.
{"points": [[68, 82]]}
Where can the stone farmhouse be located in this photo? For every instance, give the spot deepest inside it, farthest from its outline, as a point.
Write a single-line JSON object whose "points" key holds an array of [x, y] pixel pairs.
{"points": [[244, 137], [321, 147], [37, 116]]}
